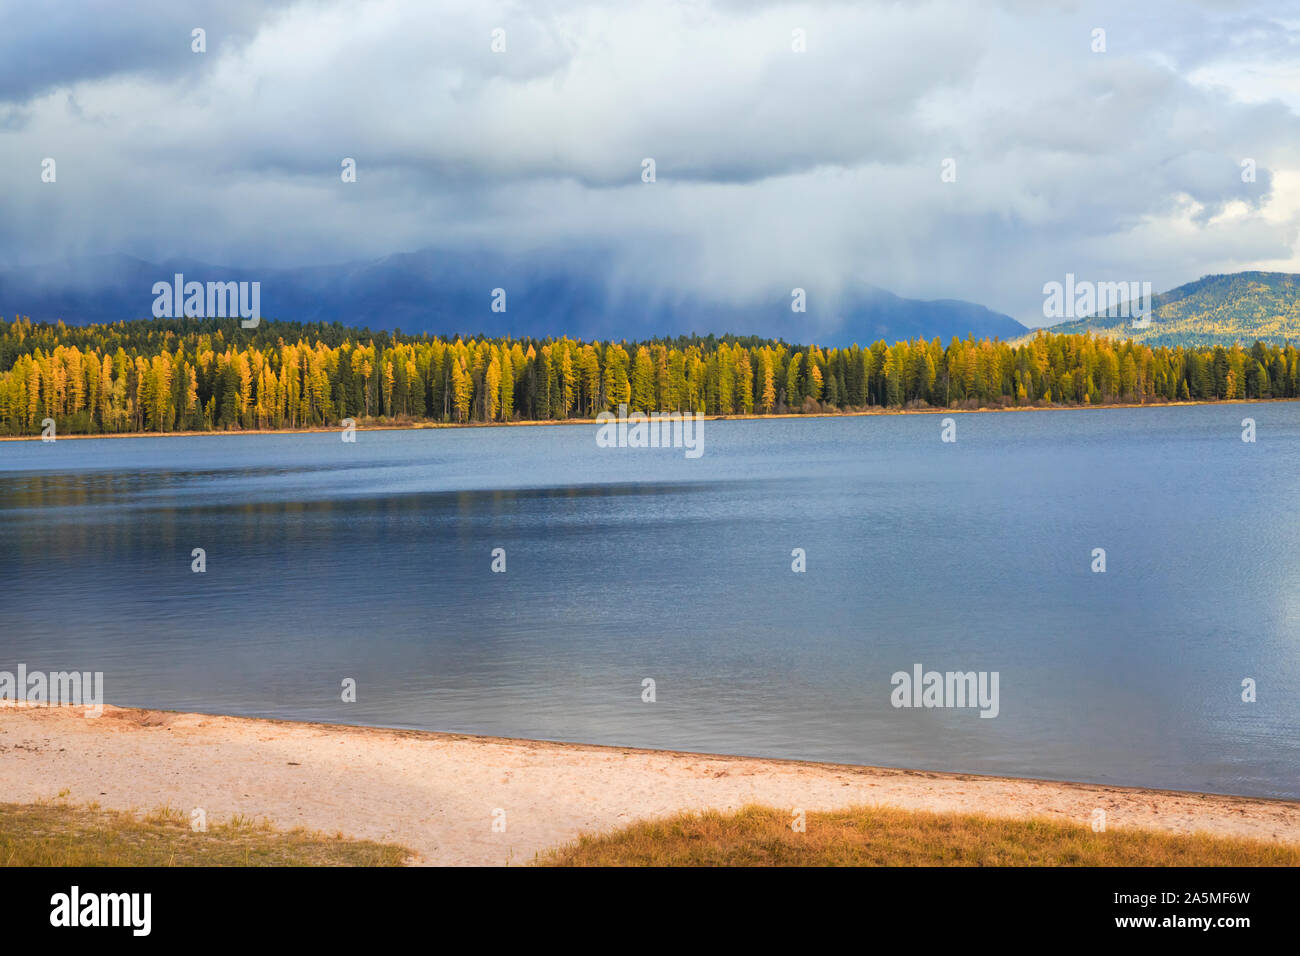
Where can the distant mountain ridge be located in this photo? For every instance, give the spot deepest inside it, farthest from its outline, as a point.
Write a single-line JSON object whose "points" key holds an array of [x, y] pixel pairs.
{"points": [[1213, 310], [428, 291]]}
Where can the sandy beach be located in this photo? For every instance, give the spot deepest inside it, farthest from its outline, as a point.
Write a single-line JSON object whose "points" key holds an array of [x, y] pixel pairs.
{"points": [[439, 794]]}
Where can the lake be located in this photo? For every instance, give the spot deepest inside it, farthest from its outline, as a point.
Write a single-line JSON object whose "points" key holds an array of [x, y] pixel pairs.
{"points": [[372, 561]]}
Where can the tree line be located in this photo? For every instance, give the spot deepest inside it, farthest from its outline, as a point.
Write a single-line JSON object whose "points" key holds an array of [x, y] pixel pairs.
{"points": [[199, 375]]}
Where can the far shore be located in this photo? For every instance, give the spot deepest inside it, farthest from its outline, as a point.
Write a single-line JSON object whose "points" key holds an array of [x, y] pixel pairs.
{"points": [[416, 425], [440, 793]]}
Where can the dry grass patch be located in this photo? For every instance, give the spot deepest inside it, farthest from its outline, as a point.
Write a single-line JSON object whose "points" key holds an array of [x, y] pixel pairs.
{"points": [[58, 834], [882, 836]]}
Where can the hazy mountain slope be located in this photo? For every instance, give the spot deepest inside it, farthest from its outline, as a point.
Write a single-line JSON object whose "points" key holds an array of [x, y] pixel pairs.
{"points": [[1213, 310], [428, 291]]}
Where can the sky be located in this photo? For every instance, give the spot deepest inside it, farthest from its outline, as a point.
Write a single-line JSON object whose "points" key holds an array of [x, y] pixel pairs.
{"points": [[935, 149]]}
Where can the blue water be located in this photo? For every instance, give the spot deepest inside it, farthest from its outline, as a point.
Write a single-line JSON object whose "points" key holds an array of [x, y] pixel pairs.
{"points": [[372, 561]]}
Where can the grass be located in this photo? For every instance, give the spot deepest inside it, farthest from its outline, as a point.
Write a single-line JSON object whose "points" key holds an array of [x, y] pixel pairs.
{"points": [[877, 836], [58, 834]]}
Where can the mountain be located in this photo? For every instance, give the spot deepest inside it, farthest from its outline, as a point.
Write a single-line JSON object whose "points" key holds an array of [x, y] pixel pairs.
{"points": [[874, 314], [431, 291], [1213, 310]]}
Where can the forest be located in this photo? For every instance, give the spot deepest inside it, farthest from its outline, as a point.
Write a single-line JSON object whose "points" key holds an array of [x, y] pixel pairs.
{"points": [[163, 375]]}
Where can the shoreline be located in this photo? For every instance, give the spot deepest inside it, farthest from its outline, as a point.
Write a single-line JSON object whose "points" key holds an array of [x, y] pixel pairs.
{"points": [[438, 792], [861, 413]]}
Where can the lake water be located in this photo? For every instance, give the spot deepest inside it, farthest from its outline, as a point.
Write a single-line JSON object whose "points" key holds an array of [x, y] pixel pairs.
{"points": [[372, 561]]}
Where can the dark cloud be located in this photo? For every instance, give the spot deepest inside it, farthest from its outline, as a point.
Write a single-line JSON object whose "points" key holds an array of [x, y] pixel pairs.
{"points": [[774, 167], [49, 46]]}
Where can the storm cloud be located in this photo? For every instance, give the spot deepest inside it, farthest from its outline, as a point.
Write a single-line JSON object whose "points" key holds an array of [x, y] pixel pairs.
{"points": [[775, 167]]}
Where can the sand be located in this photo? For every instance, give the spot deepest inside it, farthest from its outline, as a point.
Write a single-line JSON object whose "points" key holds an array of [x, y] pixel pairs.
{"points": [[439, 794]]}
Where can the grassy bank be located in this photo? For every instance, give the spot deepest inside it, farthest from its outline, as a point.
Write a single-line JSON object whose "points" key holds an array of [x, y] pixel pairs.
{"points": [[55, 834], [762, 836]]}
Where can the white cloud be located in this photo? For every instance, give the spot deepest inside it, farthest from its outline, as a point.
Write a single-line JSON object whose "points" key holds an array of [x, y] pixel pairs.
{"points": [[774, 168]]}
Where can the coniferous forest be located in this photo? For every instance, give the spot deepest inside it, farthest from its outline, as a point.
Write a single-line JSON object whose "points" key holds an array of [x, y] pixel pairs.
{"points": [[164, 375]]}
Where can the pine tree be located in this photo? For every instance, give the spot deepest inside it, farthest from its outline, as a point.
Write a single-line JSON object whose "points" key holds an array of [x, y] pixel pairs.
{"points": [[643, 386]]}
